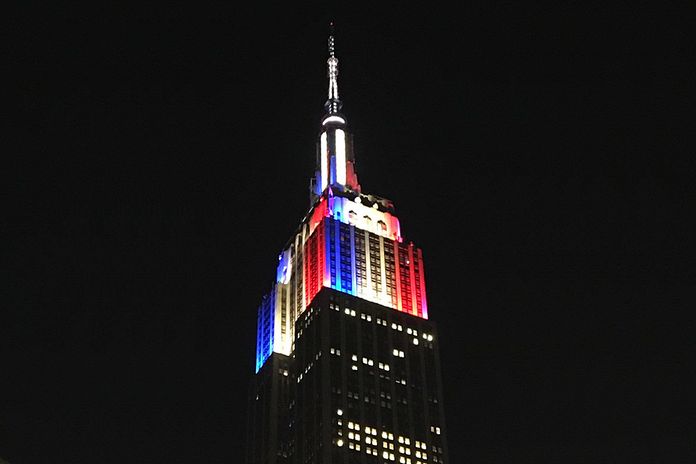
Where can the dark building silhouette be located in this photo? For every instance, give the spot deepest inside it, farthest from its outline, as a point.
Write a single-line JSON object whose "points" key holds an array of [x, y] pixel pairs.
{"points": [[347, 364]]}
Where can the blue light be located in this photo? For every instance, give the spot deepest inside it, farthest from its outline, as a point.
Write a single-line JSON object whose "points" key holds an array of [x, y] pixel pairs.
{"points": [[265, 327]]}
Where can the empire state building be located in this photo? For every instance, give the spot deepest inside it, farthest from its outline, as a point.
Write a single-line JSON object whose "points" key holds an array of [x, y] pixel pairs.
{"points": [[347, 363]]}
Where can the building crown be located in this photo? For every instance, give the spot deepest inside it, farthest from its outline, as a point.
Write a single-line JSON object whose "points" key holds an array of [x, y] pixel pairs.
{"points": [[335, 168]]}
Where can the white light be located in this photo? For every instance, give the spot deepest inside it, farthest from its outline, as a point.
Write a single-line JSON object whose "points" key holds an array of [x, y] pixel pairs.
{"points": [[324, 166], [340, 157], [339, 412], [415, 341], [333, 119], [339, 442]]}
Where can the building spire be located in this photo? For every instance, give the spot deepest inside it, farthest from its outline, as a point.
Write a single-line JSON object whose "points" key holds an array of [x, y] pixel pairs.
{"points": [[333, 104]]}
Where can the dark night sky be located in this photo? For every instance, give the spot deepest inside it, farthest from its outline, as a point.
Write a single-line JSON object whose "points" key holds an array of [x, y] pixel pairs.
{"points": [[163, 160]]}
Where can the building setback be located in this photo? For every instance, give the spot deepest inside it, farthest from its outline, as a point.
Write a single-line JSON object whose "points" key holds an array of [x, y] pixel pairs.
{"points": [[347, 364]]}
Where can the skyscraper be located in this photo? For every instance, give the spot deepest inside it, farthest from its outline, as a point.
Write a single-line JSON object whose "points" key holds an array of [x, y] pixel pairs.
{"points": [[347, 364]]}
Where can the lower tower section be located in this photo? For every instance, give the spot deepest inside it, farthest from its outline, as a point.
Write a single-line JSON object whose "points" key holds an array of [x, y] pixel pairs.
{"points": [[269, 431], [367, 385]]}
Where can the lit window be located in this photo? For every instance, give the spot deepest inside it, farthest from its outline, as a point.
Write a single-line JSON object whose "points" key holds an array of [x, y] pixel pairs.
{"points": [[354, 367], [339, 442], [395, 352], [415, 341], [339, 412], [354, 357]]}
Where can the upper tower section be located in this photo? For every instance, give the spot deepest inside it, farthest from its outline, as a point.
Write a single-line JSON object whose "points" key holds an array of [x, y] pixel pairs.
{"points": [[335, 164], [333, 104]]}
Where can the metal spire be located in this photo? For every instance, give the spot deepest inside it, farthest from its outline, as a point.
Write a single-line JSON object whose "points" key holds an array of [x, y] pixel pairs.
{"points": [[333, 104]]}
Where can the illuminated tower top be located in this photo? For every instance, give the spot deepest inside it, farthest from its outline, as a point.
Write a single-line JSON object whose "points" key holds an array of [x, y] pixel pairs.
{"points": [[349, 241], [335, 161]]}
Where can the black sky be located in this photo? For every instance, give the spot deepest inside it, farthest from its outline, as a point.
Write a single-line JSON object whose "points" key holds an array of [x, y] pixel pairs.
{"points": [[162, 160]]}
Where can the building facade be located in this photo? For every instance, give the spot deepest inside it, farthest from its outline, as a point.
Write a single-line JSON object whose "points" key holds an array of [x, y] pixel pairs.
{"points": [[347, 364]]}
